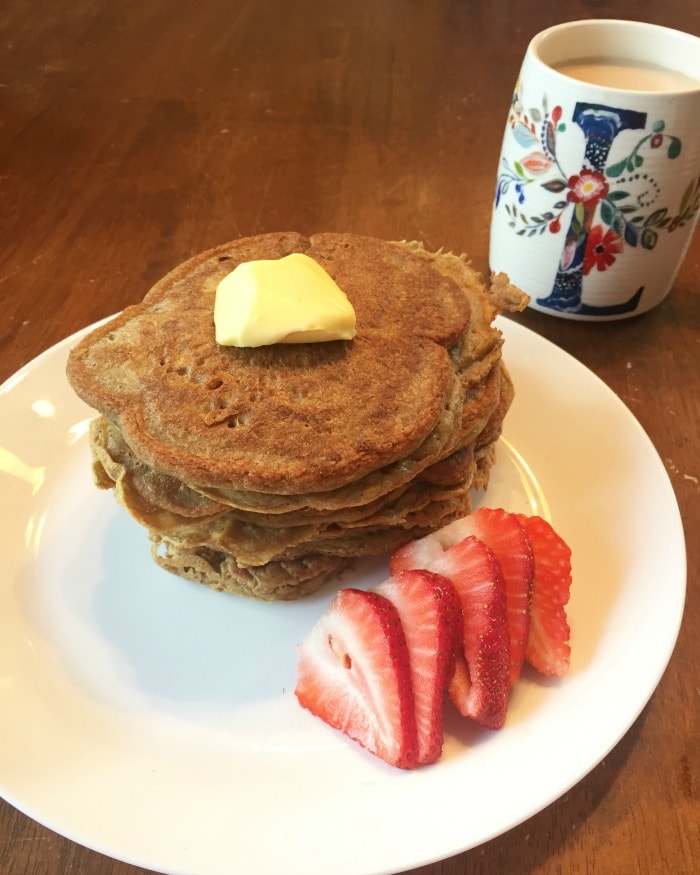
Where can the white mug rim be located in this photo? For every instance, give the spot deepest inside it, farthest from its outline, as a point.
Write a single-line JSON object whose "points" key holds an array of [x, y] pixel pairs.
{"points": [[542, 49]]}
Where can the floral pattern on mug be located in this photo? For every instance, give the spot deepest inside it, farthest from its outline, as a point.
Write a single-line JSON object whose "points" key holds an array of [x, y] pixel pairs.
{"points": [[603, 215]]}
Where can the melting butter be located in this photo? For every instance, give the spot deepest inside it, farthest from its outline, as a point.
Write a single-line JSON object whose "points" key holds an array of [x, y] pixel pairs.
{"points": [[284, 300]]}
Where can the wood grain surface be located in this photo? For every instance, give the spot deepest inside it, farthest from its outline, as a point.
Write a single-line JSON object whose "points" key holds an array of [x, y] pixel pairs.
{"points": [[134, 134]]}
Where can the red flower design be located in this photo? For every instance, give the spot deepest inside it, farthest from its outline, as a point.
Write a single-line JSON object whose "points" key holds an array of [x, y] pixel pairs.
{"points": [[601, 249], [589, 186]]}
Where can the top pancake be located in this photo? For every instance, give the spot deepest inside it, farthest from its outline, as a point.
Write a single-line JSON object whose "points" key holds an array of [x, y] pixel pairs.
{"points": [[283, 419]]}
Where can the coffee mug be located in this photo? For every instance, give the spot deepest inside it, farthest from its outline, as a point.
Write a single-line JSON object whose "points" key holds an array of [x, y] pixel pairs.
{"points": [[598, 183]]}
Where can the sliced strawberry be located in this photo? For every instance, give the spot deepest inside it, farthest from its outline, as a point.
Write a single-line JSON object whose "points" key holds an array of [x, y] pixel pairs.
{"points": [[548, 648], [354, 673], [431, 616], [474, 570], [505, 534]]}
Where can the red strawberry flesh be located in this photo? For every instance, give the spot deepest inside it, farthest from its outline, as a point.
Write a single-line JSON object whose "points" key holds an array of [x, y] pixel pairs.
{"points": [[548, 649], [505, 534], [431, 616], [354, 673], [474, 570]]}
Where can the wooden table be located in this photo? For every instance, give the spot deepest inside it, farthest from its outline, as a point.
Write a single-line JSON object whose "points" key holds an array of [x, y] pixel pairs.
{"points": [[133, 135]]}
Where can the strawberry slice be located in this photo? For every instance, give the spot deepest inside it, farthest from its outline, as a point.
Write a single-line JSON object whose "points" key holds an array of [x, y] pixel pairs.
{"points": [[431, 616], [548, 648], [354, 673], [474, 570], [505, 534]]}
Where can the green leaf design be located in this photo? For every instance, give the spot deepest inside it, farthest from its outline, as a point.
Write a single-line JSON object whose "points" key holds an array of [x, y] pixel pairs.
{"points": [[674, 150], [518, 169], [606, 212], [579, 218], [618, 224], [687, 198], [658, 126], [535, 115], [617, 195], [648, 238], [656, 217], [616, 169], [631, 234]]}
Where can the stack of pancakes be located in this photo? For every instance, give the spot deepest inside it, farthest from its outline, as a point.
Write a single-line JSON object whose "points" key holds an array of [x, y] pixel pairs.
{"points": [[265, 471]]}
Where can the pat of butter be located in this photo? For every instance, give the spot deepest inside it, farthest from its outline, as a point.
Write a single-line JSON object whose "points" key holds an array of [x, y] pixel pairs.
{"points": [[284, 300]]}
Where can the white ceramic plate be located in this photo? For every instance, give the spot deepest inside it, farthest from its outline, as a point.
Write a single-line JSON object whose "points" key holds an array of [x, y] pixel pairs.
{"points": [[155, 721]]}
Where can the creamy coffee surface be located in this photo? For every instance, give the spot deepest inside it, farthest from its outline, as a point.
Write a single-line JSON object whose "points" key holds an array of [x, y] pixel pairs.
{"points": [[626, 74]]}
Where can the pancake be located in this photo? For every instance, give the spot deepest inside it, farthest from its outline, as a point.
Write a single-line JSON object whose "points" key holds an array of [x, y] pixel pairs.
{"points": [[278, 418], [276, 581], [166, 504], [264, 471]]}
